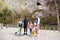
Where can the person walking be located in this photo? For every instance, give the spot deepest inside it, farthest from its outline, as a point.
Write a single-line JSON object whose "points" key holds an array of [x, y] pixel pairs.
{"points": [[19, 25]]}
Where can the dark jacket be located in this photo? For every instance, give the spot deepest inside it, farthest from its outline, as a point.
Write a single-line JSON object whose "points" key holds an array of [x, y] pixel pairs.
{"points": [[36, 21], [25, 22]]}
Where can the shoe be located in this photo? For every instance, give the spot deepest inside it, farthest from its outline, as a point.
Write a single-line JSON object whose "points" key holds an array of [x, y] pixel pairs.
{"points": [[25, 33], [15, 33]]}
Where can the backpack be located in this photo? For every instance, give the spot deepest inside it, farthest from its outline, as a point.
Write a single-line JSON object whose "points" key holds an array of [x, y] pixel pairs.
{"points": [[36, 21], [19, 24]]}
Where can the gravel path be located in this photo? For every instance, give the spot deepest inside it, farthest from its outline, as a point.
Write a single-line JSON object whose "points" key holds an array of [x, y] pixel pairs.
{"points": [[8, 34]]}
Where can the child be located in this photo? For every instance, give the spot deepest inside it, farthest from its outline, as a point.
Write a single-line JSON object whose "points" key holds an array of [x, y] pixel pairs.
{"points": [[30, 25], [34, 30], [19, 26]]}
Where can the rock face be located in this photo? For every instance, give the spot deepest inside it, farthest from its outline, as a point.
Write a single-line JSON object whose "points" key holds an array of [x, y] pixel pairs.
{"points": [[27, 4], [31, 4], [14, 4]]}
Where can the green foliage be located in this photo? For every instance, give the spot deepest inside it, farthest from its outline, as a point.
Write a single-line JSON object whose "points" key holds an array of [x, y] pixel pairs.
{"points": [[49, 19], [4, 16]]}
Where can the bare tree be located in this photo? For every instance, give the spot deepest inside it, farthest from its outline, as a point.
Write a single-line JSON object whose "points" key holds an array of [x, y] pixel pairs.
{"points": [[57, 13]]}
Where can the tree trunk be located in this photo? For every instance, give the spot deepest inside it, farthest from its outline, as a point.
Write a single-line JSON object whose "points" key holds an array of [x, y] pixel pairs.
{"points": [[57, 14]]}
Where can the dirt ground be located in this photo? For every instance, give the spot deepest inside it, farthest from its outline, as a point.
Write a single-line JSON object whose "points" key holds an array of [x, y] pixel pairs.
{"points": [[8, 34]]}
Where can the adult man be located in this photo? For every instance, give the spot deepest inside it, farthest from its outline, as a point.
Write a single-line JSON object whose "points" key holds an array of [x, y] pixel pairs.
{"points": [[25, 25]]}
